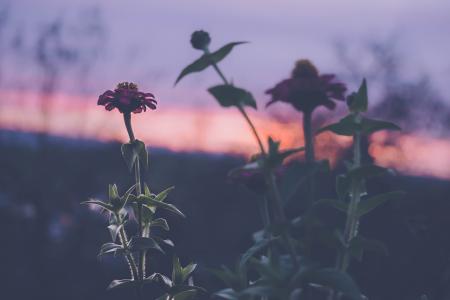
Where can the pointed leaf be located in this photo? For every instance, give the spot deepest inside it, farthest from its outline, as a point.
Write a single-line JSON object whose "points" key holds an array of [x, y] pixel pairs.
{"points": [[114, 231], [228, 294], [185, 295], [339, 205], [358, 102], [160, 222], [163, 195], [367, 205], [336, 280], [187, 271], [143, 243], [149, 201], [160, 278], [102, 204], [228, 95], [370, 126], [346, 126], [133, 151], [109, 248], [177, 276], [258, 246], [207, 60], [120, 283]]}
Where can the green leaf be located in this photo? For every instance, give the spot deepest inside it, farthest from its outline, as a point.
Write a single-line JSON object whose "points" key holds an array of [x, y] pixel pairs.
{"points": [[228, 95], [160, 278], [339, 205], [259, 290], [346, 126], [177, 277], [228, 294], [369, 126], [207, 60], [133, 151], [367, 205], [114, 230], [164, 241], [185, 295], [163, 195], [127, 194], [150, 201], [120, 283], [143, 243], [258, 246], [187, 271], [147, 214], [160, 222], [358, 102], [146, 190], [337, 280], [113, 192], [110, 248], [102, 204]]}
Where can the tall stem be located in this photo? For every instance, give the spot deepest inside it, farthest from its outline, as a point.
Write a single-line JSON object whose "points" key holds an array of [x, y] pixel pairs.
{"points": [[352, 222], [281, 216], [240, 108], [129, 258], [269, 177], [351, 226], [252, 127], [309, 139], [309, 155], [137, 176]]}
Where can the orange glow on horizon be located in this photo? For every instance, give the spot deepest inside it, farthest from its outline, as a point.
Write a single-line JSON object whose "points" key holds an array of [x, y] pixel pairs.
{"points": [[210, 130]]}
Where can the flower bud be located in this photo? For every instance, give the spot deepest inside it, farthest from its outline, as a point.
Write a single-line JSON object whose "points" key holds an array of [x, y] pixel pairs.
{"points": [[304, 69], [200, 40]]}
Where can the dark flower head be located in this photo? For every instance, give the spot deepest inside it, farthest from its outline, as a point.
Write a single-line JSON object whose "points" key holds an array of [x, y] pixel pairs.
{"points": [[127, 98], [200, 40], [307, 89]]}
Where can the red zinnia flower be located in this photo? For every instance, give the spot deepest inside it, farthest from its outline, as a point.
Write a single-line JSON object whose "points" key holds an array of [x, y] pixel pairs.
{"points": [[306, 89], [127, 98]]}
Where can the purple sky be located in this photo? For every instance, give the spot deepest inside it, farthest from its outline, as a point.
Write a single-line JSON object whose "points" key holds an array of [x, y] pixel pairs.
{"points": [[147, 41]]}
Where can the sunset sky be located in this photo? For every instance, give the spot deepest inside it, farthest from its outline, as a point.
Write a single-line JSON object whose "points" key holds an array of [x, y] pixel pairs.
{"points": [[147, 42]]}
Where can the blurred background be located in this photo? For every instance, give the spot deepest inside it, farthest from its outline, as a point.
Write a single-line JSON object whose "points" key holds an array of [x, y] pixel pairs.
{"points": [[58, 148]]}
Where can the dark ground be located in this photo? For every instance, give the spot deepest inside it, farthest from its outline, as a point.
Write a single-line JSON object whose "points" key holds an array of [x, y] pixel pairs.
{"points": [[50, 241]]}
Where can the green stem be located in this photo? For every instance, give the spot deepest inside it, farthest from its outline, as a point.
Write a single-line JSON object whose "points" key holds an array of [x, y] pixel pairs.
{"points": [[281, 216], [269, 177], [310, 156], [129, 258], [351, 226], [127, 120], [240, 108], [137, 176], [352, 222], [253, 128], [309, 138]]}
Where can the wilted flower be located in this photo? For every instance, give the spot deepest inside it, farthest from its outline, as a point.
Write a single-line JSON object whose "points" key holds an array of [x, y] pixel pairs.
{"points": [[306, 89], [127, 98], [200, 39]]}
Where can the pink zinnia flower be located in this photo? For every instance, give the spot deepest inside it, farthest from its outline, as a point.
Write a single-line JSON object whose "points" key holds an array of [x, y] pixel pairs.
{"points": [[127, 98], [307, 90]]}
